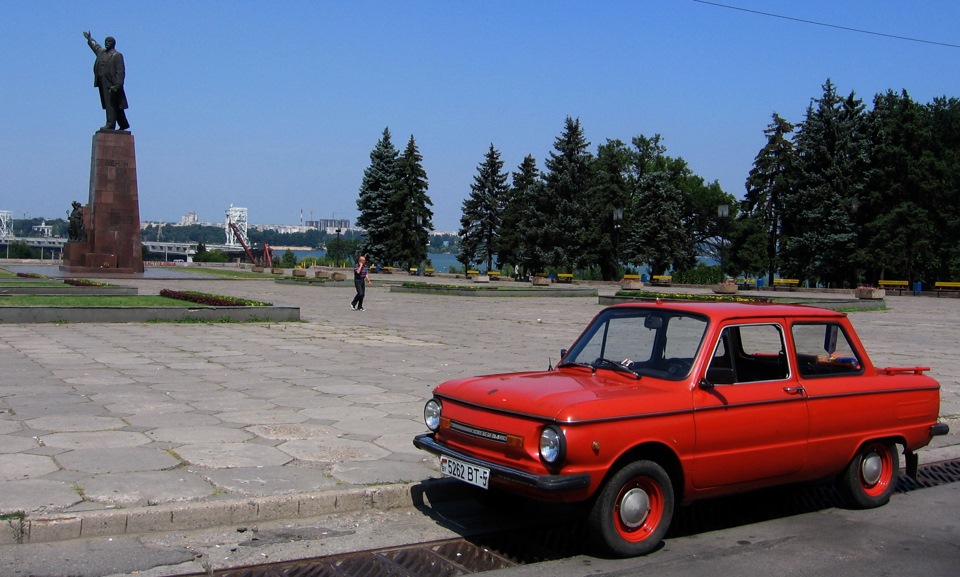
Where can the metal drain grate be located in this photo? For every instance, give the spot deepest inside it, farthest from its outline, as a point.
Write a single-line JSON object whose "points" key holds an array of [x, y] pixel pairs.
{"points": [[931, 475], [456, 557], [449, 558]]}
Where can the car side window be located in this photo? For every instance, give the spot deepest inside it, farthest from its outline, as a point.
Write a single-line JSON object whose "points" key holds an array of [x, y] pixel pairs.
{"points": [[823, 349], [749, 353]]}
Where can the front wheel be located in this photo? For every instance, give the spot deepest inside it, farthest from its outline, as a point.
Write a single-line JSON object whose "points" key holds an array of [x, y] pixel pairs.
{"points": [[871, 477], [633, 510]]}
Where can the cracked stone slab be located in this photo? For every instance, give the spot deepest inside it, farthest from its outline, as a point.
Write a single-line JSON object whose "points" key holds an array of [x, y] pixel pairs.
{"points": [[117, 460], [265, 481]]}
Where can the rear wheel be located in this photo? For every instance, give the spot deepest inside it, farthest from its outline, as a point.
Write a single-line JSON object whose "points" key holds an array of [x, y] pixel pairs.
{"points": [[633, 510], [871, 477]]}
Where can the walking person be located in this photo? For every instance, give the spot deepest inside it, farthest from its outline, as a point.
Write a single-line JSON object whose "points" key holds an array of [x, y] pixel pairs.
{"points": [[360, 278]]}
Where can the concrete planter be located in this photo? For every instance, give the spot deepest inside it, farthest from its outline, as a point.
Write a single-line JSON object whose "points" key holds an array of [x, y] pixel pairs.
{"points": [[94, 314], [725, 289], [257, 269], [870, 293], [631, 285], [541, 281], [276, 270], [322, 274], [338, 276], [300, 272], [481, 278]]}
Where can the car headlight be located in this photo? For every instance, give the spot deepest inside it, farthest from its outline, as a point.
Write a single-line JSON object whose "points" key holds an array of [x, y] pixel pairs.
{"points": [[552, 444], [431, 414]]}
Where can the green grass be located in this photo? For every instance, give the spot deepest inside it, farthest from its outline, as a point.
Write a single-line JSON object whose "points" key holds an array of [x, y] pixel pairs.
{"points": [[227, 273], [91, 301]]}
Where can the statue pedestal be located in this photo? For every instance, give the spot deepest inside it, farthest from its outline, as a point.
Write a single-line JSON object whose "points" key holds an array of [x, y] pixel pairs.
{"points": [[111, 219]]}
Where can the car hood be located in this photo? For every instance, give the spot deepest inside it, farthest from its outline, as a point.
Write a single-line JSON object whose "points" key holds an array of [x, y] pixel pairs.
{"points": [[569, 394]]}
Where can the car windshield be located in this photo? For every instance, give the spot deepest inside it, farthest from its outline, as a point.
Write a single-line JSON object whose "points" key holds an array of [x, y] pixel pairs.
{"points": [[645, 342]]}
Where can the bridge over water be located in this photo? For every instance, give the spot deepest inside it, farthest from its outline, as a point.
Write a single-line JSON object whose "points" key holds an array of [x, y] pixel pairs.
{"points": [[53, 246]]}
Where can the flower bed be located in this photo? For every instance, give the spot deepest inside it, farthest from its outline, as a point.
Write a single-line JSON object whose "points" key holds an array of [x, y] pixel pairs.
{"points": [[211, 300], [84, 282], [692, 297]]}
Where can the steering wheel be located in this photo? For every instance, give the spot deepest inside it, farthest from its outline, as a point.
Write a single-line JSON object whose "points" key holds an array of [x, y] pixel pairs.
{"points": [[678, 367]]}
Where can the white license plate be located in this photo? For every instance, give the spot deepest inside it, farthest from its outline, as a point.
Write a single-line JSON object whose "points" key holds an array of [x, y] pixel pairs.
{"points": [[466, 472]]}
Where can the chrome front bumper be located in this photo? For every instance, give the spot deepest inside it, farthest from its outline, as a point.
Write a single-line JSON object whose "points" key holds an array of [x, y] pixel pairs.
{"points": [[545, 483]]}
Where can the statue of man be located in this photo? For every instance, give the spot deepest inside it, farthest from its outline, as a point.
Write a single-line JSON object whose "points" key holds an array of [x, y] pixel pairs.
{"points": [[75, 230], [108, 74]]}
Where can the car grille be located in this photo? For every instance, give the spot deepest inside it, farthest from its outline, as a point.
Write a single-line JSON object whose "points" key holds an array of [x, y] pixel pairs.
{"points": [[478, 432]]}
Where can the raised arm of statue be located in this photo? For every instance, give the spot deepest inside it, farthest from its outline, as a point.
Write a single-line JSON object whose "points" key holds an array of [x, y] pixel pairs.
{"points": [[93, 44]]}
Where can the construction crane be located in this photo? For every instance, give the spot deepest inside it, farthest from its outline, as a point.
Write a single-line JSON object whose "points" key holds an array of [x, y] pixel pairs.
{"points": [[265, 261]]}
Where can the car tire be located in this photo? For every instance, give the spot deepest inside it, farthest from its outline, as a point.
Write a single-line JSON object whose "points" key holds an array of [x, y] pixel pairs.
{"points": [[871, 477], [633, 511]]}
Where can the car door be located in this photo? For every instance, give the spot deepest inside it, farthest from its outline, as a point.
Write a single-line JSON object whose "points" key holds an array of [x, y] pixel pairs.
{"points": [[750, 413]]}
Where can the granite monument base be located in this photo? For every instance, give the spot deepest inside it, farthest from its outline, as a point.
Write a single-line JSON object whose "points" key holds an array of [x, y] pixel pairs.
{"points": [[111, 240]]}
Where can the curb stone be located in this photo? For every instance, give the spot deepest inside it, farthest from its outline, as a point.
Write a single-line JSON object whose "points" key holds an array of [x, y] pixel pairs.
{"points": [[45, 528]]}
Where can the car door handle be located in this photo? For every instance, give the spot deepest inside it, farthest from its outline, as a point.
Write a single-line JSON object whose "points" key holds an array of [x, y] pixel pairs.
{"points": [[793, 390]]}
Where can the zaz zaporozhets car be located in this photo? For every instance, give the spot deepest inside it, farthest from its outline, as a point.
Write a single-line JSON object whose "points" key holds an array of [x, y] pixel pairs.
{"points": [[661, 404]]}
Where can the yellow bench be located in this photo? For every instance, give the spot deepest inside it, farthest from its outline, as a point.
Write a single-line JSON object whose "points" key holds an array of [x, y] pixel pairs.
{"points": [[472, 273], [946, 285], [898, 285], [787, 282], [662, 279], [387, 269], [564, 277], [493, 274], [631, 277], [428, 272], [746, 283], [413, 270]]}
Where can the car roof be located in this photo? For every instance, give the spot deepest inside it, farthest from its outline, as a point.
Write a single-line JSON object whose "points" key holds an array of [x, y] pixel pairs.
{"points": [[738, 310]]}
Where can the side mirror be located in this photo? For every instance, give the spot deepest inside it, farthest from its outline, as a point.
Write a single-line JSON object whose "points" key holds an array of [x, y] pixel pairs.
{"points": [[563, 353]]}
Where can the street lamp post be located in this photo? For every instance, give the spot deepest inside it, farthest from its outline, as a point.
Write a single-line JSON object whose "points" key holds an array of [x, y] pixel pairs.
{"points": [[336, 260], [723, 212], [617, 223]]}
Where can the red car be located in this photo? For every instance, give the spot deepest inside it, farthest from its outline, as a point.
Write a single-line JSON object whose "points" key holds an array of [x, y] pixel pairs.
{"points": [[662, 404]]}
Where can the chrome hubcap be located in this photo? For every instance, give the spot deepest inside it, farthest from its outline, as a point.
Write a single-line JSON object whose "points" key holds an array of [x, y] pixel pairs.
{"points": [[871, 468], [634, 508]]}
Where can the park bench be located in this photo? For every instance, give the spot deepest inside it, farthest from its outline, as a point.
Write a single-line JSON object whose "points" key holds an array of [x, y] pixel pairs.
{"points": [[386, 270], [662, 279], [565, 277], [493, 274], [472, 273], [414, 270], [946, 286], [428, 272], [631, 282], [746, 284], [790, 283], [897, 285]]}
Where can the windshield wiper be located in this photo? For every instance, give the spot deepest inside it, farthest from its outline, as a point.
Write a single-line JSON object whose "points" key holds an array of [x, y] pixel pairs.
{"points": [[615, 366], [573, 364]]}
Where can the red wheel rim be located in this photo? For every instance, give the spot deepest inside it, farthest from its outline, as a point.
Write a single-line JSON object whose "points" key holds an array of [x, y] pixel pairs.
{"points": [[640, 497], [876, 470]]}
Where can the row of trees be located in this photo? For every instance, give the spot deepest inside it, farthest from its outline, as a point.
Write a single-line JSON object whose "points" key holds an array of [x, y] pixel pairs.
{"points": [[845, 197], [625, 204], [850, 196]]}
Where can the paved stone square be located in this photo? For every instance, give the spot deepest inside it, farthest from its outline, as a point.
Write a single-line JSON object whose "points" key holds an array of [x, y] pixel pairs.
{"points": [[96, 417]]}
